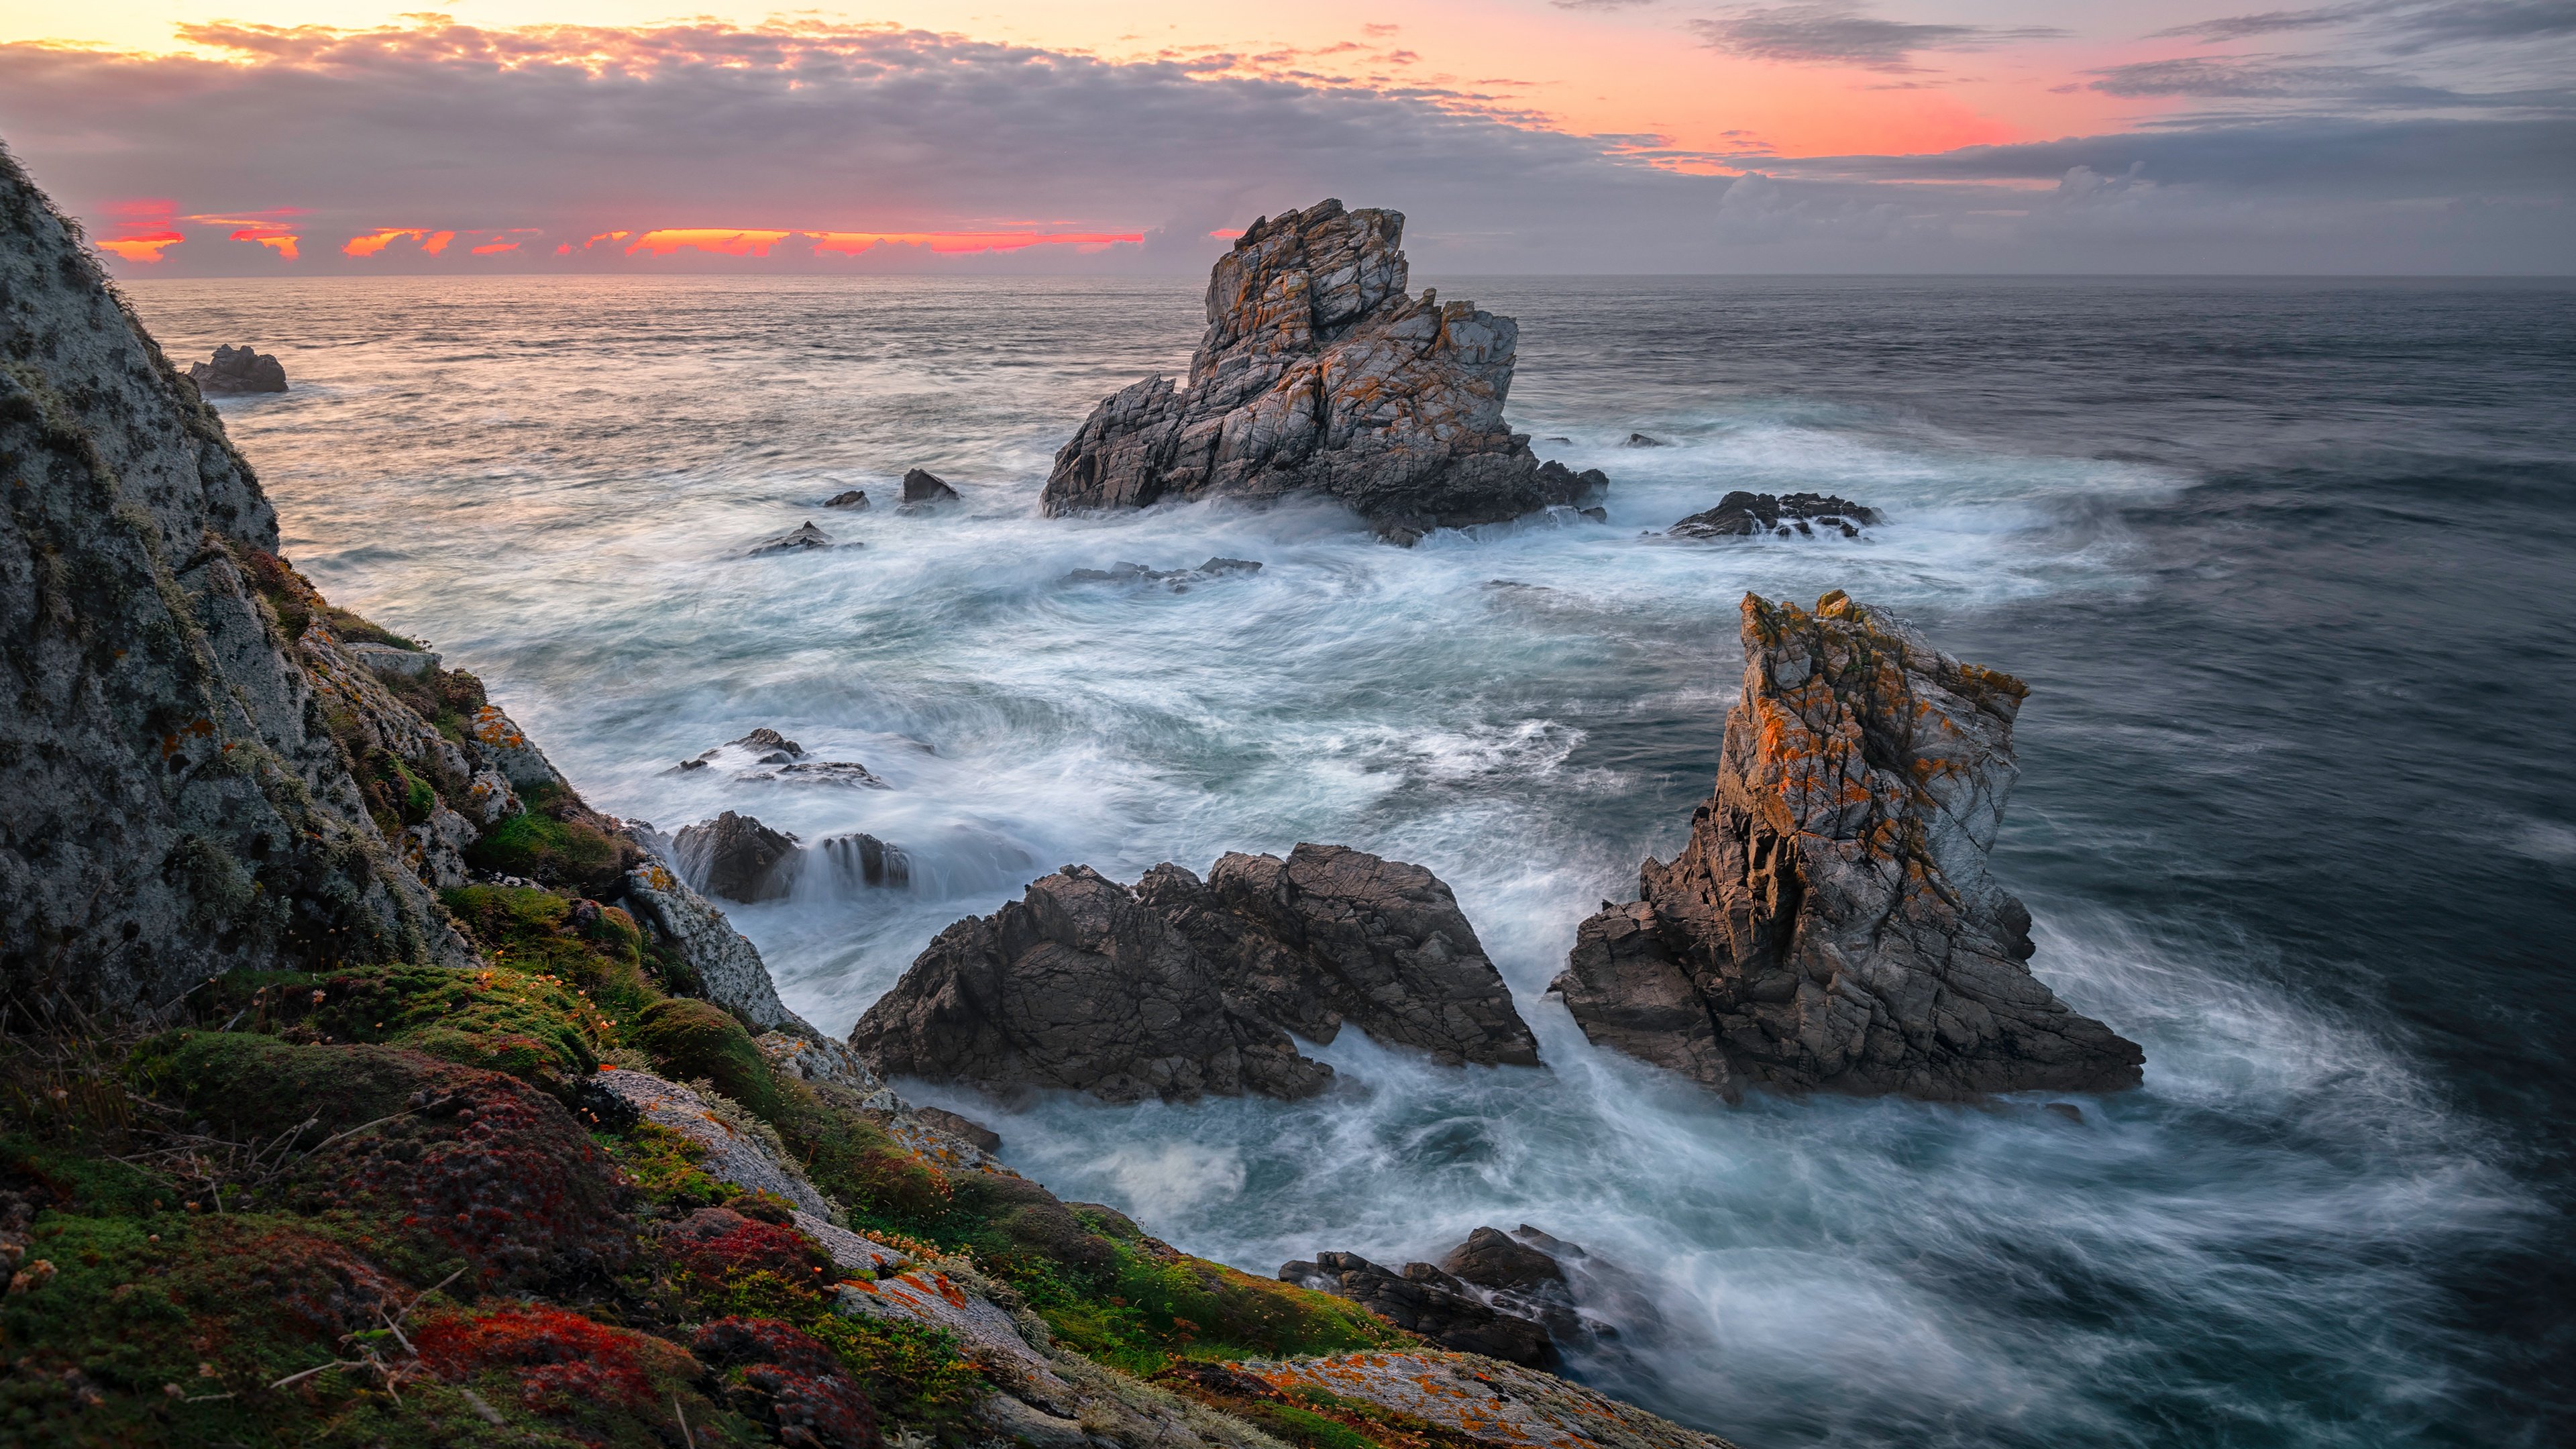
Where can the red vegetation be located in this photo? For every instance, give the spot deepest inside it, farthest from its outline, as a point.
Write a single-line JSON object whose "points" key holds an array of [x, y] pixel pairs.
{"points": [[561, 1360], [783, 1378]]}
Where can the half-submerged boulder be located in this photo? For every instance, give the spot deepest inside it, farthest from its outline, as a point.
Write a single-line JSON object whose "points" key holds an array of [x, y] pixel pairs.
{"points": [[922, 490], [1425, 1300], [1177, 580], [1319, 374], [1740, 515], [238, 370], [803, 538], [740, 859], [1177, 987], [1832, 925]]}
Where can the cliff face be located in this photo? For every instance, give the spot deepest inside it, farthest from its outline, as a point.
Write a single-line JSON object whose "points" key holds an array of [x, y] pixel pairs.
{"points": [[1832, 923], [172, 802], [1318, 373]]}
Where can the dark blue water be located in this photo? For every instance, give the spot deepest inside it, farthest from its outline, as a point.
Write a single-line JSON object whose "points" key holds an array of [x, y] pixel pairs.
{"points": [[2287, 566]]}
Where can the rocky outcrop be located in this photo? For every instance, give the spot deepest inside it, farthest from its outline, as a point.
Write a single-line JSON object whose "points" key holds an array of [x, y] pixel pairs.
{"points": [[726, 967], [1425, 1300], [766, 755], [738, 858], [1473, 1401], [1318, 374], [237, 370], [1741, 514], [923, 489], [853, 499], [1831, 924], [803, 538], [1177, 988], [173, 802]]}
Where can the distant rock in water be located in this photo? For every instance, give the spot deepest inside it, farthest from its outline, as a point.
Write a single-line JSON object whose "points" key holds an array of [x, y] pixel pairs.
{"points": [[802, 538], [923, 490], [1177, 988], [1177, 580], [1741, 514], [238, 370], [1640, 440], [767, 755], [1832, 925], [853, 499], [1318, 374], [740, 859]]}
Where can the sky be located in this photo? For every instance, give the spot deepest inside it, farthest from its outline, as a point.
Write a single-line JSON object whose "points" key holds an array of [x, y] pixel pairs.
{"points": [[313, 137]]}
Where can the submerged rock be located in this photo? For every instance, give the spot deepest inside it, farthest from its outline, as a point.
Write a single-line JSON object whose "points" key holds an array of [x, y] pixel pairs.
{"points": [[923, 489], [1740, 514], [1318, 374], [238, 370], [1640, 440], [1177, 580], [1177, 988], [1832, 923], [803, 538], [854, 500], [766, 755]]}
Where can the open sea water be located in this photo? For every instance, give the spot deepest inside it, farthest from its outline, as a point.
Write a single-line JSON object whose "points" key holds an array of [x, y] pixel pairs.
{"points": [[2289, 566]]}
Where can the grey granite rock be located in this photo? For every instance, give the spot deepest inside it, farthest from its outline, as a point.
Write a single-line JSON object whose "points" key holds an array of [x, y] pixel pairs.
{"points": [[728, 967], [923, 489], [733, 1154], [1832, 923], [172, 803], [1318, 374], [1177, 988]]}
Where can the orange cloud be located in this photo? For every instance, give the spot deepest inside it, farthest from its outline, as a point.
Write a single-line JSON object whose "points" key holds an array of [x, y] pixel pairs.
{"points": [[431, 242], [567, 249], [143, 229], [757, 243]]}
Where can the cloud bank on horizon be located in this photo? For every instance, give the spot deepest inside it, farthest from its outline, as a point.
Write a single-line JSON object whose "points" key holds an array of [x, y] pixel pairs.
{"points": [[2374, 136]]}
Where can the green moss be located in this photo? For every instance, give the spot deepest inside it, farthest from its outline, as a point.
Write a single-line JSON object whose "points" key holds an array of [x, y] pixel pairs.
{"points": [[693, 1040], [663, 1166], [598, 949], [912, 1372], [535, 844], [529, 1023], [1305, 1427]]}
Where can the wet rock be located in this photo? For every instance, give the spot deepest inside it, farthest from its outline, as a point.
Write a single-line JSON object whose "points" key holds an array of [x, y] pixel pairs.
{"points": [[1319, 375], [1491, 1259], [964, 1129], [1177, 580], [1832, 923], [859, 859], [923, 490], [238, 370], [1597, 515], [1741, 515], [803, 538], [1471, 1401], [738, 858], [765, 755], [1640, 440], [1177, 988], [1422, 1299], [855, 500], [766, 743]]}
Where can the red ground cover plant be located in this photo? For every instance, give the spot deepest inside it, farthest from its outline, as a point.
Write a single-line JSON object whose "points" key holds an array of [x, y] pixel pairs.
{"points": [[561, 1361], [778, 1375]]}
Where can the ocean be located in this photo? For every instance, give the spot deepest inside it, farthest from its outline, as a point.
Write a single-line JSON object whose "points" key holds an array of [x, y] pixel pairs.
{"points": [[2287, 566]]}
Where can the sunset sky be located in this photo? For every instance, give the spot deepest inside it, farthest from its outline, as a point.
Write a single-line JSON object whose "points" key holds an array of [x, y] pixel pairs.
{"points": [[1518, 135]]}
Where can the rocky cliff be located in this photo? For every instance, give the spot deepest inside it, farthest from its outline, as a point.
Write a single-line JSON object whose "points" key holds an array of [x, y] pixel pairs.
{"points": [[1831, 923], [1177, 987], [1319, 374]]}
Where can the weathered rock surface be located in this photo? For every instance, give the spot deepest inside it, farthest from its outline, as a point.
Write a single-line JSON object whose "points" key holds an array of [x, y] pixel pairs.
{"points": [[237, 370], [853, 499], [728, 967], [172, 802], [1482, 1402], [1177, 580], [1177, 988], [734, 1154], [1318, 374], [1425, 1300], [1740, 514], [1832, 923]]}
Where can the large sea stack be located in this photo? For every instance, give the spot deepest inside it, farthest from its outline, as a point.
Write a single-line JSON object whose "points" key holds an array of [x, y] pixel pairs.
{"points": [[1319, 374], [1178, 988], [1832, 924]]}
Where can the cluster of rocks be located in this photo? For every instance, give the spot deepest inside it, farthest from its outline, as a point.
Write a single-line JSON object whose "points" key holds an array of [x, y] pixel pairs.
{"points": [[1177, 987], [740, 859], [238, 370], [1177, 580], [923, 492], [1740, 515], [1320, 375], [765, 755], [1832, 923], [1509, 1296], [806, 537]]}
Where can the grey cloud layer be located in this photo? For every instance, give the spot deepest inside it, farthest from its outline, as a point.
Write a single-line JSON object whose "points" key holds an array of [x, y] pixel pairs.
{"points": [[881, 130], [1834, 34]]}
